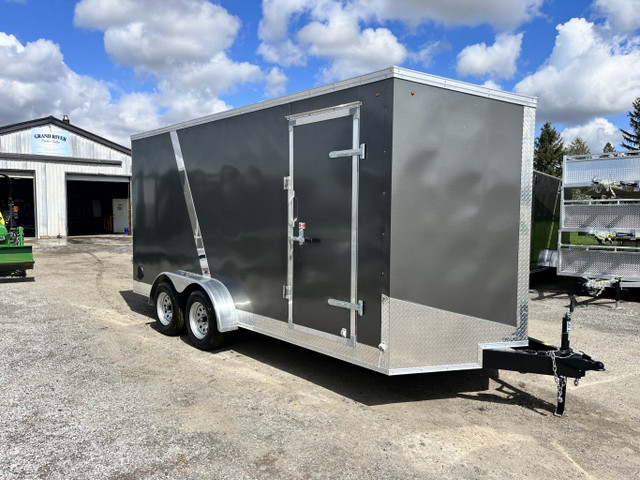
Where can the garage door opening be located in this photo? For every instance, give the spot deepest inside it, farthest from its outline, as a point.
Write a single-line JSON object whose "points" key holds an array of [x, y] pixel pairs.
{"points": [[23, 198], [95, 208]]}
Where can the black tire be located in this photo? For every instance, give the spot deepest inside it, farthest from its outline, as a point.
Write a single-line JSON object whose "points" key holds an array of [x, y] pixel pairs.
{"points": [[201, 322], [170, 318]]}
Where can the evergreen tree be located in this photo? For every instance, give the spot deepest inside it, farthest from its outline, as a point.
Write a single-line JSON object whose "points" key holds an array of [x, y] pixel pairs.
{"points": [[608, 148], [549, 149], [631, 138], [578, 147]]}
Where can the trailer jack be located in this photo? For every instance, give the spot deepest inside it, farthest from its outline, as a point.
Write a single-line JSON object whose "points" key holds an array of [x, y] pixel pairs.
{"points": [[546, 359]]}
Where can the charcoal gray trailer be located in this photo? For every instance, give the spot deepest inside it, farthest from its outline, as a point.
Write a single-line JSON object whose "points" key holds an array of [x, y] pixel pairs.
{"points": [[383, 220]]}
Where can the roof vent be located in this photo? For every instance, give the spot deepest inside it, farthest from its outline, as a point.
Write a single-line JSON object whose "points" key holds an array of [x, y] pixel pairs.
{"points": [[65, 119]]}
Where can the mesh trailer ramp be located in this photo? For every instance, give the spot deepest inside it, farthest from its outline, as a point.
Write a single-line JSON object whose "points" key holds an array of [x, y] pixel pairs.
{"points": [[383, 220], [599, 237]]}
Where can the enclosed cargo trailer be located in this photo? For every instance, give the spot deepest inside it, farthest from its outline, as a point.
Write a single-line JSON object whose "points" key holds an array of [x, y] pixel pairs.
{"points": [[383, 220]]}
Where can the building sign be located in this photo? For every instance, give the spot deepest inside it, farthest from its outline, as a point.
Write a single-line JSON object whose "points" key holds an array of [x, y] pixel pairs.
{"points": [[49, 140]]}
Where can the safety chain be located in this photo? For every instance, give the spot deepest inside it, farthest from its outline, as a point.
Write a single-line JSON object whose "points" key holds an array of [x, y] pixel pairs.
{"points": [[560, 381]]}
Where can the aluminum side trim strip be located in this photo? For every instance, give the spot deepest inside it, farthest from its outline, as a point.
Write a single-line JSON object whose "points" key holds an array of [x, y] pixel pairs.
{"points": [[191, 208]]}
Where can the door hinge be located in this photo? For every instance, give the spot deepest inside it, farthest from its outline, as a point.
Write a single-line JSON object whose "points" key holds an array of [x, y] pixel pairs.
{"points": [[349, 153], [286, 292], [287, 183]]}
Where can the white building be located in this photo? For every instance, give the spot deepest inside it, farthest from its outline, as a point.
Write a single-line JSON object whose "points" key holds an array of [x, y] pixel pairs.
{"points": [[66, 180]]}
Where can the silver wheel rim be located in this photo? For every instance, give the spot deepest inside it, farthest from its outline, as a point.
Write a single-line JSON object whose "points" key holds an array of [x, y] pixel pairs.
{"points": [[164, 308], [198, 320]]}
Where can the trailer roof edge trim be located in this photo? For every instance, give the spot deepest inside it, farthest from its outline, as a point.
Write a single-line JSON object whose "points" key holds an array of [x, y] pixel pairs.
{"points": [[392, 72]]}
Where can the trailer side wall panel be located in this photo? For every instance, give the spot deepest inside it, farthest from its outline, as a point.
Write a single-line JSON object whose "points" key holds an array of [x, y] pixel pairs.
{"points": [[456, 202], [163, 240]]}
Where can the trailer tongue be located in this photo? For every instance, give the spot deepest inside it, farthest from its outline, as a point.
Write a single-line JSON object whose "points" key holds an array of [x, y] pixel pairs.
{"points": [[15, 257], [546, 359]]}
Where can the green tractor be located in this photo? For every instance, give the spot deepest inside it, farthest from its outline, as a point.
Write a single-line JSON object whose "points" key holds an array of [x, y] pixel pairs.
{"points": [[15, 257]]}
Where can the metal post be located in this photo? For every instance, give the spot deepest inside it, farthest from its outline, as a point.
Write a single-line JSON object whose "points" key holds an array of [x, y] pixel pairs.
{"points": [[565, 346], [562, 396], [618, 293]]}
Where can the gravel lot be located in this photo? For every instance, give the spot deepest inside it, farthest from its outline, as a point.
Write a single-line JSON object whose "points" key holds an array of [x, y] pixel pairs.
{"points": [[89, 389]]}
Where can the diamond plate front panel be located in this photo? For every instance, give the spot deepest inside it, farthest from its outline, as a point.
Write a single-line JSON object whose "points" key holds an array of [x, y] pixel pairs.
{"points": [[602, 215], [582, 172], [422, 336], [599, 264]]}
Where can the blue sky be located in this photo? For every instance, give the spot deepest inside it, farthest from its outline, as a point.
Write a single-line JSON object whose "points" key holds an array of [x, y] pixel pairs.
{"points": [[118, 67]]}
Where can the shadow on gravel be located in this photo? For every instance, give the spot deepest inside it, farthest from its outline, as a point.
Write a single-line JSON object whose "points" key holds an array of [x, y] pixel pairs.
{"points": [[137, 303], [16, 279], [357, 383], [514, 396]]}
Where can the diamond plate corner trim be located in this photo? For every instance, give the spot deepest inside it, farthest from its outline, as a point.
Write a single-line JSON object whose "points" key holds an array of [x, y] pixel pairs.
{"points": [[526, 194], [425, 338], [385, 319], [362, 355]]}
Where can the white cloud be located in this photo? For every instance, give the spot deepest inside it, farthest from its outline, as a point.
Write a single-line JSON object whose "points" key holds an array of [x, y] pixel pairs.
{"points": [[347, 33], [596, 133], [425, 55], [492, 84], [621, 14], [181, 46], [497, 60], [352, 51], [587, 74], [501, 14], [273, 31], [332, 31], [142, 35], [35, 81], [276, 82]]}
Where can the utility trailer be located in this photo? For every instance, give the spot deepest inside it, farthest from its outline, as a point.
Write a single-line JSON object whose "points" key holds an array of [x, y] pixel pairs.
{"points": [[383, 220], [599, 237]]}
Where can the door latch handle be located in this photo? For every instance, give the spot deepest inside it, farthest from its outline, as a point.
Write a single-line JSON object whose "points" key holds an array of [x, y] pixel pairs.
{"points": [[300, 238]]}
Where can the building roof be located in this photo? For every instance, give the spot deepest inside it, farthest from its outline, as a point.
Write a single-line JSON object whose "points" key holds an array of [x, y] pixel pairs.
{"points": [[67, 126]]}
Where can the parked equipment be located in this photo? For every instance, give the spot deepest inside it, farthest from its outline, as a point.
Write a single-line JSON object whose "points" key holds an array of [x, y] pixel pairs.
{"points": [[545, 220], [382, 220], [15, 257], [599, 237]]}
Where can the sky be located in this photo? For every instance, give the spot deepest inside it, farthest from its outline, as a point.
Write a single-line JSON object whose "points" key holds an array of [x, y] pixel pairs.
{"points": [[119, 67]]}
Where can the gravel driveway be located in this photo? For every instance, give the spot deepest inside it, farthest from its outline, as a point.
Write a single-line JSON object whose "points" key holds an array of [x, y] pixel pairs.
{"points": [[89, 389]]}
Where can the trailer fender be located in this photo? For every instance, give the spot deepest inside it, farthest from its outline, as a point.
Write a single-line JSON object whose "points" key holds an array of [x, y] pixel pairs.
{"points": [[221, 298]]}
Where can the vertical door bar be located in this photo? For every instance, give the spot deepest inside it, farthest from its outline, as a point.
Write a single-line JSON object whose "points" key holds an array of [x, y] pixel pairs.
{"points": [[355, 193], [290, 226]]}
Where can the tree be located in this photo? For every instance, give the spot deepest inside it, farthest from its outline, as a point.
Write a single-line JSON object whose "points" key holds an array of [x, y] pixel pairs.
{"points": [[578, 147], [608, 148], [631, 139], [548, 152]]}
